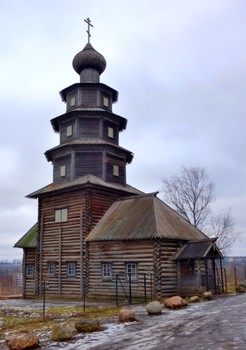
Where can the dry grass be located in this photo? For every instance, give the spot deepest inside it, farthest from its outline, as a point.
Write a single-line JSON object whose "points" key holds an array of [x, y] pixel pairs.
{"points": [[33, 321]]}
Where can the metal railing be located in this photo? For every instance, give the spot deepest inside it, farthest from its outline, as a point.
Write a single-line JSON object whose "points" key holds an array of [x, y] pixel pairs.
{"points": [[133, 288]]}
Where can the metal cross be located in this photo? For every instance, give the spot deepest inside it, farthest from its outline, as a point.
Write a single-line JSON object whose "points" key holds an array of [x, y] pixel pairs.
{"points": [[88, 21]]}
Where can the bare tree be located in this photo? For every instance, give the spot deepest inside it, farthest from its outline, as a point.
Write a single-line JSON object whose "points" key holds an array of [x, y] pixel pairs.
{"points": [[222, 227], [190, 194]]}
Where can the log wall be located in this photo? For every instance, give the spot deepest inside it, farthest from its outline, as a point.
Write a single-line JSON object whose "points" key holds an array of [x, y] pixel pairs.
{"points": [[29, 282], [62, 243], [169, 279], [118, 253]]}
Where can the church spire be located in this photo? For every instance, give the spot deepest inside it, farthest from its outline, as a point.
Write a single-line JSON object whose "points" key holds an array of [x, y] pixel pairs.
{"points": [[89, 63]]}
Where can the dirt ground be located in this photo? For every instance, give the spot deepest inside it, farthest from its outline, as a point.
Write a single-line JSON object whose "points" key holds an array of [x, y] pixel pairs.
{"points": [[212, 325]]}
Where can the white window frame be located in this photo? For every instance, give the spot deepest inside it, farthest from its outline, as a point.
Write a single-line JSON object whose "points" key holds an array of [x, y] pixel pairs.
{"points": [[105, 101], [107, 271], [132, 269], [110, 132], [71, 269], [72, 101], [69, 130], [116, 170], [62, 170], [29, 270], [61, 215], [51, 269]]}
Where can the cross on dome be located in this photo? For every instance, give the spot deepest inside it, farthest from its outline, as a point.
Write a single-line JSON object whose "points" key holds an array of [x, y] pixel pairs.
{"points": [[88, 21]]}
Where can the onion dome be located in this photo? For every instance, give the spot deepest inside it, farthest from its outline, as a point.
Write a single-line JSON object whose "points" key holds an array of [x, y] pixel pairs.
{"points": [[89, 58]]}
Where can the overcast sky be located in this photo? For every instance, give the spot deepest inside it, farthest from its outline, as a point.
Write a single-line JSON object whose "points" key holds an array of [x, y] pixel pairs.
{"points": [[179, 67]]}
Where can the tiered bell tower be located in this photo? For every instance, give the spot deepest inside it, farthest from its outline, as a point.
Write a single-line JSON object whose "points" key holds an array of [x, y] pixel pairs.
{"points": [[89, 130], [89, 174]]}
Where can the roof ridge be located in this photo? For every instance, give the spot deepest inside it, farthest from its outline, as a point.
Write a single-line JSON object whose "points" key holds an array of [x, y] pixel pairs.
{"points": [[137, 196]]}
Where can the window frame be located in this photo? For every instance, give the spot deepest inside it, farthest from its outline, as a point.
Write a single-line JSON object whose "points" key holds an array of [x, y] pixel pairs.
{"points": [[29, 270], [116, 170], [61, 215], [134, 274], [63, 171], [69, 130], [69, 269], [50, 271], [72, 101], [106, 101], [107, 271], [110, 132]]}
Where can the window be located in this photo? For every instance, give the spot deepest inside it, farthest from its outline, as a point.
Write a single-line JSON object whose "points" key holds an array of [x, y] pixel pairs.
{"points": [[110, 132], [71, 269], [105, 101], [107, 271], [63, 171], [51, 269], [61, 215], [132, 271], [69, 130], [30, 270], [116, 170], [72, 101]]}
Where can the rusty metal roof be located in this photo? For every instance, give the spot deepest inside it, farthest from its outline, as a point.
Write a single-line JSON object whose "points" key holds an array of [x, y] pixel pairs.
{"points": [[199, 249], [29, 240], [143, 217], [83, 181]]}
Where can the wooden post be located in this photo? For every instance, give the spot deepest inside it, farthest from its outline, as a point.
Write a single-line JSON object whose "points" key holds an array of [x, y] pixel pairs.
{"points": [[178, 275], [82, 281], [198, 282], [60, 262], [235, 276], [41, 252], [214, 275], [206, 272], [222, 279]]}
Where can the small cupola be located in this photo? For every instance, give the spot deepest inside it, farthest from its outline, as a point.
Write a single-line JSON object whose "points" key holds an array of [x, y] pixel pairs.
{"points": [[89, 64]]}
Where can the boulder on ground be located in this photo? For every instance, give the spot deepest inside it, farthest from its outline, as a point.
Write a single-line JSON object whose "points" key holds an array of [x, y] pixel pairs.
{"points": [[88, 325], [62, 332], [240, 288], [22, 341], [207, 296], [194, 299], [153, 308], [175, 302], [126, 315]]}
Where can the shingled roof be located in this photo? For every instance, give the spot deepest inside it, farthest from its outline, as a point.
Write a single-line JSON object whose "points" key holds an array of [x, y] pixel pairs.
{"points": [[29, 240], [81, 182], [143, 217]]}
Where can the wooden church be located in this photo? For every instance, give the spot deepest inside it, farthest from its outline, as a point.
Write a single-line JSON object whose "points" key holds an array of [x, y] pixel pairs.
{"points": [[96, 235]]}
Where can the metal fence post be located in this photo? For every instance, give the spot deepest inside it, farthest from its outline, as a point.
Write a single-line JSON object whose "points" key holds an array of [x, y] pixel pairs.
{"points": [[116, 289], [130, 288], [145, 289], [44, 299]]}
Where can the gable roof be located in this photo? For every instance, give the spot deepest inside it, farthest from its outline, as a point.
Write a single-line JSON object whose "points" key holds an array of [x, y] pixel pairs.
{"points": [[199, 249], [143, 217], [29, 240]]}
